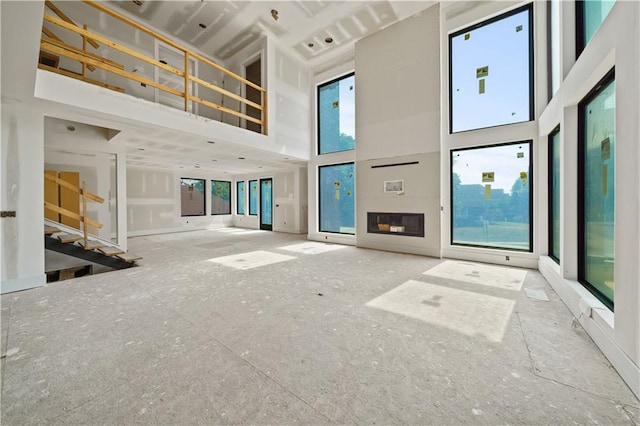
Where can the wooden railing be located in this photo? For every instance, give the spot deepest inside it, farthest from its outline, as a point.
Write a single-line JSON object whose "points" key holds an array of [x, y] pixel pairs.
{"points": [[53, 45], [84, 196]]}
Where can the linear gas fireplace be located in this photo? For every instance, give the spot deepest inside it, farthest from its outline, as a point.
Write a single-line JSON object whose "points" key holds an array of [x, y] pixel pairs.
{"points": [[408, 224]]}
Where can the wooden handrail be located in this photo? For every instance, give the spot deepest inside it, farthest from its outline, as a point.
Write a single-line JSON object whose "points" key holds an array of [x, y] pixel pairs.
{"points": [[53, 44], [75, 189], [61, 14]]}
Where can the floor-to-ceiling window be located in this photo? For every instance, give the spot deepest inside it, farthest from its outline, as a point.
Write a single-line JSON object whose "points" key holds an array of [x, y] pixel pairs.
{"points": [[596, 179], [491, 72], [192, 199], [336, 115], [336, 191], [491, 196], [240, 198], [253, 197], [554, 194]]}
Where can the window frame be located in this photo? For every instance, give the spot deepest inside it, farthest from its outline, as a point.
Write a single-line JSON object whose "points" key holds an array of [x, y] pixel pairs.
{"points": [[230, 196], [320, 197], [582, 253], [581, 42], [204, 198], [244, 198], [528, 7], [257, 199], [531, 209], [318, 126], [550, 182]]}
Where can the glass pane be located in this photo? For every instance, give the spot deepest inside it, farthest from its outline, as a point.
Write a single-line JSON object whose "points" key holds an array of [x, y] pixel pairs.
{"points": [[265, 202], [241, 198], [337, 198], [554, 188], [220, 197], [491, 73], [599, 190], [336, 115], [253, 197], [192, 197], [491, 197], [594, 13]]}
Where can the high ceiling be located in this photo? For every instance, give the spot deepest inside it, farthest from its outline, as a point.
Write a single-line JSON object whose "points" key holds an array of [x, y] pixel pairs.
{"points": [[301, 27]]}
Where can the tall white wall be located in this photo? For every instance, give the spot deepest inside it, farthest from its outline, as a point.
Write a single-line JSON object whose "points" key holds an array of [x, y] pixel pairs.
{"points": [[398, 121], [616, 43]]}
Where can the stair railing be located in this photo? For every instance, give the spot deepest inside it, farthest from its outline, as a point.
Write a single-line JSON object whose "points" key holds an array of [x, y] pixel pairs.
{"points": [[84, 196]]}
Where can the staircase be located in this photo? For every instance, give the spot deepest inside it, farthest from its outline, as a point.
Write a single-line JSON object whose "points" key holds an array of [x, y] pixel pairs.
{"points": [[71, 243]]}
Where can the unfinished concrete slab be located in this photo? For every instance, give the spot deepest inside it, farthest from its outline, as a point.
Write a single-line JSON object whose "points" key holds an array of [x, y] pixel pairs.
{"points": [[181, 340]]}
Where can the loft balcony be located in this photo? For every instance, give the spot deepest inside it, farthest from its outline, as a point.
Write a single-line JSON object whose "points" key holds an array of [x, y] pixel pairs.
{"points": [[97, 45]]}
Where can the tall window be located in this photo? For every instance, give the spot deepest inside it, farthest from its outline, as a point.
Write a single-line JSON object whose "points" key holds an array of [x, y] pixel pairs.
{"points": [[192, 200], [241, 198], [253, 197], [554, 195], [337, 198], [553, 10], [220, 197], [589, 16], [491, 72], [336, 115], [596, 180], [491, 196]]}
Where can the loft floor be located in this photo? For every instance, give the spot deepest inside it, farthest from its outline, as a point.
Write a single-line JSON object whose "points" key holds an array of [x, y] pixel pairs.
{"points": [[253, 327]]}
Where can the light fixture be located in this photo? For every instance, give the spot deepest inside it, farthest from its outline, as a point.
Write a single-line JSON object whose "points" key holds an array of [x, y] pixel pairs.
{"points": [[71, 128], [203, 26], [137, 2], [211, 142], [241, 158], [328, 40], [310, 44], [274, 14]]}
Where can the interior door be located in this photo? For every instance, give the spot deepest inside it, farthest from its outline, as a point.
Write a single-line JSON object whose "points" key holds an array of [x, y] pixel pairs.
{"points": [[266, 204]]}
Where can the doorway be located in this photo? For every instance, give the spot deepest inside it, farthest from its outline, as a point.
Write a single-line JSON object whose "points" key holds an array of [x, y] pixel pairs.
{"points": [[253, 73], [266, 205]]}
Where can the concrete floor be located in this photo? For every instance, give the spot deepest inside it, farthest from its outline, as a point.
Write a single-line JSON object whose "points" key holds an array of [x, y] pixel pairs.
{"points": [[308, 335]]}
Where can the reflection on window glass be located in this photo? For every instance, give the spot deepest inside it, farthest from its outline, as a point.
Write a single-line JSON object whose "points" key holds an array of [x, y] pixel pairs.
{"points": [[220, 197], [491, 196], [336, 115], [597, 176], [337, 198], [192, 197], [265, 202], [593, 13], [554, 195], [253, 197], [241, 198], [491, 72]]}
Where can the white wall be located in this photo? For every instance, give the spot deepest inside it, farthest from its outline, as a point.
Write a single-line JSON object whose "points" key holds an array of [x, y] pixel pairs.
{"points": [[398, 121], [616, 43], [289, 200]]}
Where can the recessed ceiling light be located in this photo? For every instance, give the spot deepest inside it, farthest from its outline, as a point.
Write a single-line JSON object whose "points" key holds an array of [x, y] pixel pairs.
{"points": [[241, 158], [162, 61], [274, 14], [137, 2], [210, 142], [201, 25], [71, 128], [140, 149], [328, 40], [310, 44]]}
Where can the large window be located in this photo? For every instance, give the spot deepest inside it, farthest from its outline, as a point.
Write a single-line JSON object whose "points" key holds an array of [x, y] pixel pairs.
{"points": [[241, 198], [554, 48], [491, 196], [192, 198], [554, 195], [596, 180], [491, 72], [253, 197], [220, 197], [589, 16], [337, 198], [337, 115]]}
